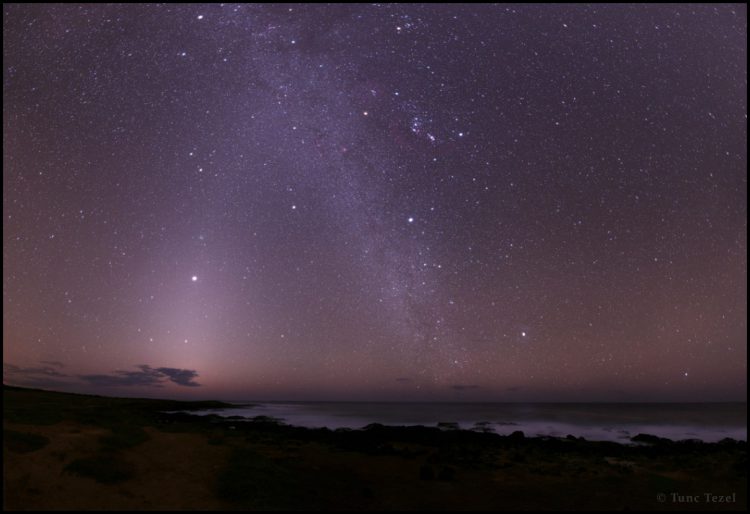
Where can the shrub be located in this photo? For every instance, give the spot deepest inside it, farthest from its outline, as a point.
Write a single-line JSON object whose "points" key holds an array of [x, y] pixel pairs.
{"points": [[23, 442], [103, 469]]}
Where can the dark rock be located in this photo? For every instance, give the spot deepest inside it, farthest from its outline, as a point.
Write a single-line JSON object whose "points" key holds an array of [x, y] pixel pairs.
{"points": [[484, 427], [267, 420]]}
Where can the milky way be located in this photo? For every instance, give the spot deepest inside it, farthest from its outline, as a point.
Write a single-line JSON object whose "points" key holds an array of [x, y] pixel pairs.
{"points": [[451, 202]]}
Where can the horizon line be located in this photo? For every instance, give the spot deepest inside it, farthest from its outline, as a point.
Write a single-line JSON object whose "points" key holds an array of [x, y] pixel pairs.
{"points": [[247, 401]]}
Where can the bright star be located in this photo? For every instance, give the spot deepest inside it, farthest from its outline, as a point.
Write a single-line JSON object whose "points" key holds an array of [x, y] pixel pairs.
{"points": [[194, 278], [410, 220]]}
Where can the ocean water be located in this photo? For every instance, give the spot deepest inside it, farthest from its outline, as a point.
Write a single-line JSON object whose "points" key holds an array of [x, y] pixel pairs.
{"points": [[709, 422]]}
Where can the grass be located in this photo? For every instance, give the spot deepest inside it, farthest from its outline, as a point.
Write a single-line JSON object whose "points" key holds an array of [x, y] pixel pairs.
{"points": [[23, 442], [252, 479], [103, 469], [124, 436]]}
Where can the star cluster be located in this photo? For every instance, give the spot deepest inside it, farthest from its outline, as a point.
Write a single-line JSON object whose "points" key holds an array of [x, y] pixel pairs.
{"points": [[496, 202]]}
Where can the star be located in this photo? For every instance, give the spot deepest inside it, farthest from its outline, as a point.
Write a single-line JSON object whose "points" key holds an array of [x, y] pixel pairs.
{"points": [[561, 205]]}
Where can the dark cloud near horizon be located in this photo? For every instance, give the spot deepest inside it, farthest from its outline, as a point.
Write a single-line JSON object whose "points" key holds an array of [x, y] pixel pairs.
{"points": [[147, 376], [463, 387], [403, 379], [42, 376], [56, 364], [47, 376], [47, 371], [183, 377]]}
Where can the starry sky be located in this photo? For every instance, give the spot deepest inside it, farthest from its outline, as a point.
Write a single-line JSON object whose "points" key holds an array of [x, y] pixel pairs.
{"points": [[376, 202]]}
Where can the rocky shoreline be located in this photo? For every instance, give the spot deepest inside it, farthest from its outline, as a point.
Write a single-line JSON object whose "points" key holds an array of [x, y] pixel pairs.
{"points": [[68, 451]]}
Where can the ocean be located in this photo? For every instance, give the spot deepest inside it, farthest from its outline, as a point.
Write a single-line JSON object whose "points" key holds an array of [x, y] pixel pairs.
{"points": [[709, 422]]}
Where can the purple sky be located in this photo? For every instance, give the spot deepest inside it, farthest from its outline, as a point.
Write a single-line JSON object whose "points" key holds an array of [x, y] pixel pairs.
{"points": [[418, 202]]}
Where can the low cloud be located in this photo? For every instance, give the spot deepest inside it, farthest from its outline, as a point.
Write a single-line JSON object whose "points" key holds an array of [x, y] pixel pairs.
{"points": [[39, 376], [183, 377], [46, 371], [49, 376], [56, 364], [463, 387], [147, 376], [403, 379]]}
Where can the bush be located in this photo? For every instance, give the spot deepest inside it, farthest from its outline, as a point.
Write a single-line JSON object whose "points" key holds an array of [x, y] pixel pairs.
{"points": [[23, 442], [124, 436], [103, 469], [251, 478]]}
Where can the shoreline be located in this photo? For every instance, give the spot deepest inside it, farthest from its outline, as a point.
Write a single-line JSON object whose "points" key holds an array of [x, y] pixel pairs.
{"points": [[632, 437], [66, 451], [591, 422]]}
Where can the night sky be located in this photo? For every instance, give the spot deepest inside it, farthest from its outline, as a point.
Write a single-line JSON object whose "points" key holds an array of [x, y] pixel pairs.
{"points": [[394, 202]]}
